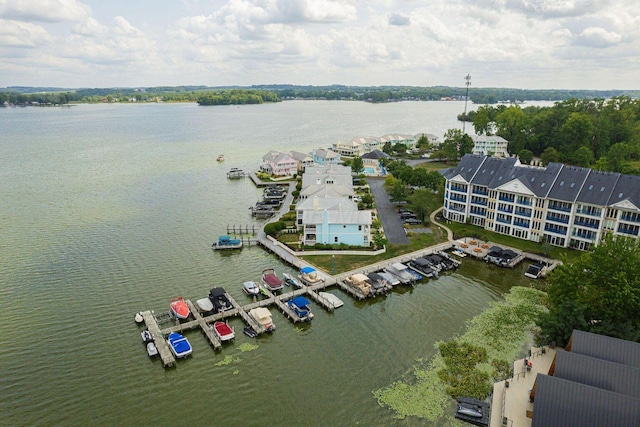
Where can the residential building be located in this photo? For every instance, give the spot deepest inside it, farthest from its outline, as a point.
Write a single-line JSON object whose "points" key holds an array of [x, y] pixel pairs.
{"points": [[563, 205], [490, 145], [321, 156], [395, 138], [356, 146], [303, 160], [279, 164]]}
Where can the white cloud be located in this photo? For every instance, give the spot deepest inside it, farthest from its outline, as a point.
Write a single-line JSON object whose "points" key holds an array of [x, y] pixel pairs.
{"points": [[598, 37], [44, 10], [22, 35]]}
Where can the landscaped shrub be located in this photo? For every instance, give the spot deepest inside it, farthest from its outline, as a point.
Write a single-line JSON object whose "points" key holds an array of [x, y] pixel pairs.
{"points": [[273, 228]]}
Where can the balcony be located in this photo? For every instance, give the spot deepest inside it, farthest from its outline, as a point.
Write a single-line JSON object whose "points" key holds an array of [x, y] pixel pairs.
{"points": [[629, 231], [481, 212], [525, 202], [522, 224], [558, 219], [506, 199], [630, 217], [458, 189], [590, 212], [555, 230], [480, 202], [456, 198], [584, 235], [560, 208], [523, 212], [503, 220], [507, 209], [588, 224], [480, 192]]}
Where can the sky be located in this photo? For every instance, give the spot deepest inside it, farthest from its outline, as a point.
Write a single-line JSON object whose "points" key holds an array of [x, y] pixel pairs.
{"points": [[528, 44]]}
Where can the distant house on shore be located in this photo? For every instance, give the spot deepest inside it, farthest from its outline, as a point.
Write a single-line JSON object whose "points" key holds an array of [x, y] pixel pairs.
{"points": [[325, 157], [279, 164], [372, 163], [303, 160], [492, 145]]}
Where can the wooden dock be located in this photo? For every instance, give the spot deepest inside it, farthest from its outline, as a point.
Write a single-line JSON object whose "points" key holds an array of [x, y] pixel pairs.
{"points": [[206, 328], [158, 338]]}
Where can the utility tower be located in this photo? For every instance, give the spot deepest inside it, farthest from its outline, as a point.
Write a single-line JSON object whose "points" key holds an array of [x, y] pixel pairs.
{"points": [[466, 98]]}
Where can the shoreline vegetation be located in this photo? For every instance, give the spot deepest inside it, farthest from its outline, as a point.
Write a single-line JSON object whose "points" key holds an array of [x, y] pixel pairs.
{"points": [[36, 96], [468, 365]]}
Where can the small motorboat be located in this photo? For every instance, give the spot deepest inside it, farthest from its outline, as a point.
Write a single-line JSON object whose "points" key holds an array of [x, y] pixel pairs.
{"points": [[535, 270], [223, 331], [290, 280], [218, 297], [179, 345], [226, 242], [152, 350], [469, 412], [146, 336], [179, 308], [220, 158], [138, 317], [205, 305], [248, 331], [333, 300], [250, 288], [270, 280]]}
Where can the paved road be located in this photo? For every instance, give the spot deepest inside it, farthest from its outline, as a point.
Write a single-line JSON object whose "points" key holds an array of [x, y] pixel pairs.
{"points": [[391, 221]]}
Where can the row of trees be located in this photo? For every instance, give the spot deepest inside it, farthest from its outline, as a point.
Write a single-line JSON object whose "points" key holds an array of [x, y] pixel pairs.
{"points": [[603, 134], [237, 96]]}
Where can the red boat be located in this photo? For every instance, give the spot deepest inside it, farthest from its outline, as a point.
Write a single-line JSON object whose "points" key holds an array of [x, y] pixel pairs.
{"points": [[179, 308], [223, 331], [271, 281]]}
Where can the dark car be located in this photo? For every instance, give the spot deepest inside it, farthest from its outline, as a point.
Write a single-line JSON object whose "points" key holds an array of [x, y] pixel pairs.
{"points": [[407, 215], [404, 210], [412, 221]]}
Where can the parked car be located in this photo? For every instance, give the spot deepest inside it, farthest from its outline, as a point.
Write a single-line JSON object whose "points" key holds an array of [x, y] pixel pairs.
{"points": [[407, 215], [412, 221], [404, 210]]}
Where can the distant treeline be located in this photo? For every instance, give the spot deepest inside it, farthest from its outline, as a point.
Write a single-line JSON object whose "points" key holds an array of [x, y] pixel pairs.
{"points": [[217, 95], [602, 134], [237, 96]]}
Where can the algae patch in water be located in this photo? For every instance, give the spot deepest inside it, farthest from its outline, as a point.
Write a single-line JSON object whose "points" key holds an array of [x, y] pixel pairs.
{"points": [[236, 372], [502, 330], [227, 360], [248, 347]]}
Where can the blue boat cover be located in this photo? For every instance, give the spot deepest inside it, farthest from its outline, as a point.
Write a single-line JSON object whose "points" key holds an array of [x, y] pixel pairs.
{"points": [[223, 238], [300, 301], [307, 270], [179, 343]]}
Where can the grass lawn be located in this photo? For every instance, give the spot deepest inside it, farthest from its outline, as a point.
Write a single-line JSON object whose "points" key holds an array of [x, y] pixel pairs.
{"points": [[434, 166]]}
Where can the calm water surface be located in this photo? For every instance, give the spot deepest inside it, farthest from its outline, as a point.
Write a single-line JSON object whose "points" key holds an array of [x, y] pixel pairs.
{"points": [[110, 209]]}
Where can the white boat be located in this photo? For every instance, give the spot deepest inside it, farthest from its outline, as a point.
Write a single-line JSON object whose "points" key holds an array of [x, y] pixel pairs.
{"points": [[535, 270], [459, 252], [220, 158], [250, 288], [179, 345], [290, 280], [138, 317], [401, 272], [205, 305], [152, 350], [333, 300], [390, 278], [146, 336]]}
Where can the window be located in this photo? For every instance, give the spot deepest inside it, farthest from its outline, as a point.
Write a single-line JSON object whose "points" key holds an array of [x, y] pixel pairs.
{"points": [[359, 228], [335, 239]]}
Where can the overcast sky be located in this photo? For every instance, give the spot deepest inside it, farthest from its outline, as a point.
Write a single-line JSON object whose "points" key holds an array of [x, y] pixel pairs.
{"points": [[531, 44]]}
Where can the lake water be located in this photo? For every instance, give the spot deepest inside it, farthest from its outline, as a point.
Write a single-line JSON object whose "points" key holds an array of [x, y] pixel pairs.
{"points": [[111, 209]]}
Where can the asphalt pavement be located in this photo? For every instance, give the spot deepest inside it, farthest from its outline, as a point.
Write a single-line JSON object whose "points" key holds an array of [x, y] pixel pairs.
{"points": [[391, 222]]}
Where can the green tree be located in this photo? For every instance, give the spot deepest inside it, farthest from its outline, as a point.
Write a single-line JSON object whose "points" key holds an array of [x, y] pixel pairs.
{"points": [[583, 156], [512, 124], [525, 156], [549, 155], [419, 201], [449, 147], [357, 165], [599, 293], [482, 121], [577, 131], [616, 157], [388, 148], [398, 192], [466, 145]]}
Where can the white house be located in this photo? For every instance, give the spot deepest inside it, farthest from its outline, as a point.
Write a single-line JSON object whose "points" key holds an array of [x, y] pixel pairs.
{"points": [[491, 145]]}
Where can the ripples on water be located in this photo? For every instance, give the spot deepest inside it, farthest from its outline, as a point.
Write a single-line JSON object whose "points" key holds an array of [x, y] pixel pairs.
{"points": [[108, 210]]}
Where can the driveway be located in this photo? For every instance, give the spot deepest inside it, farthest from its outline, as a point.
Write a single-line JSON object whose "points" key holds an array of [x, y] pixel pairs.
{"points": [[391, 221]]}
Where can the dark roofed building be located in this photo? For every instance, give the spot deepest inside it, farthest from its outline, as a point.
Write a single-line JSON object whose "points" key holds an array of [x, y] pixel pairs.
{"points": [[604, 347], [562, 205], [564, 403]]}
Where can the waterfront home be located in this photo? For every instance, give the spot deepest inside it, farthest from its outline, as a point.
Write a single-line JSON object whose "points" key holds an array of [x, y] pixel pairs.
{"points": [[279, 164], [372, 163], [336, 226], [433, 139], [303, 160], [325, 157], [566, 206], [490, 145], [336, 176], [357, 146], [395, 138]]}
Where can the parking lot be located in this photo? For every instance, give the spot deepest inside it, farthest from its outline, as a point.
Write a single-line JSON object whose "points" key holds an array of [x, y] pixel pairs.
{"points": [[391, 221]]}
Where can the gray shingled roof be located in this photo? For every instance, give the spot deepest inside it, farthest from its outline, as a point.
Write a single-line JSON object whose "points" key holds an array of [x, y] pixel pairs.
{"points": [[487, 171], [467, 167], [615, 377], [562, 403], [598, 187], [376, 154], [606, 348], [627, 187], [569, 183]]}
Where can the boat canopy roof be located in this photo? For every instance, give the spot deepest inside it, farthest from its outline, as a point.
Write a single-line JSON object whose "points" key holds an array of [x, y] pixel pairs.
{"points": [[272, 279], [399, 266], [307, 270], [260, 313], [300, 301], [223, 238], [216, 292], [359, 277]]}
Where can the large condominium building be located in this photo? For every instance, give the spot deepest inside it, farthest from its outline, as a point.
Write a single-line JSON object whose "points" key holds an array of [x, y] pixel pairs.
{"points": [[566, 206]]}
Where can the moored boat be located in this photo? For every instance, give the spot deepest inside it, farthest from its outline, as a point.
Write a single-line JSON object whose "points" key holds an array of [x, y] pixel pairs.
{"points": [[250, 288], [248, 331], [146, 336], [179, 308], [205, 305], [223, 331], [535, 270], [263, 317], [138, 317], [334, 300], [301, 307], [179, 345], [290, 280], [361, 283], [220, 158], [270, 280], [218, 297], [152, 350], [309, 276], [226, 242]]}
